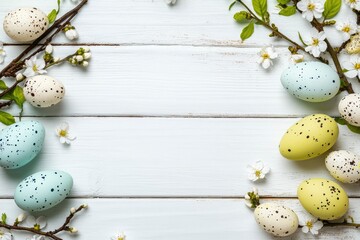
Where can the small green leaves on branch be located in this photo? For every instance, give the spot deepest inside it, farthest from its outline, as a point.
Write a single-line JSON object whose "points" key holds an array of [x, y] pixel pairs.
{"points": [[260, 7], [242, 16], [6, 118], [53, 14], [248, 31], [331, 8], [343, 122], [288, 11]]}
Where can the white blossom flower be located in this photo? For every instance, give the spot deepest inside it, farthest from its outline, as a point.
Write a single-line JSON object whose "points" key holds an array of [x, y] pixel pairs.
{"points": [[62, 131], [21, 217], [266, 56], [297, 58], [352, 67], [37, 223], [354, 4], [311, 9], [170, 2], [257, 171], [347, 28], [2, 53], [5, 234], [119, 236], [34, 66], [72, 34], [310, 224], [316, 44], [252, 198], [37, 237], [49, 49]]}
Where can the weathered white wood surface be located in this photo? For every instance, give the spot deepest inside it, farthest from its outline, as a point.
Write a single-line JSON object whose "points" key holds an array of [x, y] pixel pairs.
{"points": [[171, 110]]}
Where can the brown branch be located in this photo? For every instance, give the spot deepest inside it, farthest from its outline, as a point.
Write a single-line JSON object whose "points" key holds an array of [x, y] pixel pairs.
{"points": [[50, 234], [17, 64], [5, 104]]}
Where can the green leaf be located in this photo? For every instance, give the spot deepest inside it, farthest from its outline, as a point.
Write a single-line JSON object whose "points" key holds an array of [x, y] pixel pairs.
{"points": [[6, 118], [247, 31], [260, 7], [231, 5], [18, 96], [354, 129], [53, 14], [288, 11], [241, 16], [301, 39], [340, 121], [3, 218], [283, 2], [3, 85], [331, 8]]}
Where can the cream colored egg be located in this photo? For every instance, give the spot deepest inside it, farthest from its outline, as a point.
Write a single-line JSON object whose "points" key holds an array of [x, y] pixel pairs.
{"points": [[323, 198], [344, 166], [43, 91], [277, 220], [25, 24], [353, 47], [349, 108]]}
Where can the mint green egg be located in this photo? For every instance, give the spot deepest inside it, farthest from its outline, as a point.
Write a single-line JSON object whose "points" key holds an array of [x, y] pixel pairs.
{"points": [[311, 81], [20, 143], [43, 190]]}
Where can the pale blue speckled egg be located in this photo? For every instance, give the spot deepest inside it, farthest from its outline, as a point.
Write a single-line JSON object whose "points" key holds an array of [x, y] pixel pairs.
{"points": [[311, 81], [20, 143], [43, 190]]}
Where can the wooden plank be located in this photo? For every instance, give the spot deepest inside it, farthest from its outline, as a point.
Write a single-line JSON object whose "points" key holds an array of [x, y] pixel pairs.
{"points": [[120, 157], [180, 81], [190, 22], [176, 219]]}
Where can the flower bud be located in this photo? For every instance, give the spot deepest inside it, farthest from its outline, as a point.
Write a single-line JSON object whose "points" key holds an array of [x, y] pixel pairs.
{"points": [[21, 217], [49, 49], [87, 55], [71, 34], [85, 63], [86, 49], [85, 205], [73, 230], [79, 58], [72, 210], [20, 77]]}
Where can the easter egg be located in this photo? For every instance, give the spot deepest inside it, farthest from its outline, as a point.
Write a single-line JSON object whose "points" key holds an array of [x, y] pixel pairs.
{"points": [[353, 47], [311, 81], [43, 91], [43, 190], [25, 24], [20, 143], [344, 166], [310, 137], [323, 198], [276, 219], [349, 108]]}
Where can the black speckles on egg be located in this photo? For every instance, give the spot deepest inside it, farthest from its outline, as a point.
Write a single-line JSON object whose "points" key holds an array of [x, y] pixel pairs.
{"points": [[20, 143], [25, 24], [349, 108], [43, 190], [275, 219], [43, 91], [344, 166], [310, 137], [311, 81], [323, 198]]}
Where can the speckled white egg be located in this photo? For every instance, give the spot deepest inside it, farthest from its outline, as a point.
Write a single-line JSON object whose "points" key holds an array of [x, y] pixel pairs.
{"points": [[43, 190], [43, 91], [311, 81], [349, 108], [25, 24], [20, 143], [344, 166], [277, 220]]}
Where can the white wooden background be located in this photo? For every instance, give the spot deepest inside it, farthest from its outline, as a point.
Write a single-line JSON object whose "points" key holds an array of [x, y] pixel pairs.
{"points": [[168, 115]]}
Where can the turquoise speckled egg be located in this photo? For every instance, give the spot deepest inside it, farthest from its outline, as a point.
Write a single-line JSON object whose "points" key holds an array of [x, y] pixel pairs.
{"points": [[20, 143], [311, 81], [43, 190]]}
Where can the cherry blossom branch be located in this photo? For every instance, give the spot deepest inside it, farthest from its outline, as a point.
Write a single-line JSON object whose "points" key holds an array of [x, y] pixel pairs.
{"points": [[17, 64], [51, 234]]}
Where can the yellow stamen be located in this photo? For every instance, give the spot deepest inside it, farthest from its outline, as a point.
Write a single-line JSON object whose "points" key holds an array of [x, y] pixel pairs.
{"points": [[311, 7], [37, 227], [63, 133], [357, 66], [257, 173], [35, 68], [346, 29], [309, 224], [265, 56], [315, 42]]}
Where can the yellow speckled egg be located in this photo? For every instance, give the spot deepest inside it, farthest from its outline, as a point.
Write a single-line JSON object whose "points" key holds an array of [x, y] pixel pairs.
{"points": [[323, 198], [310, 137]]}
